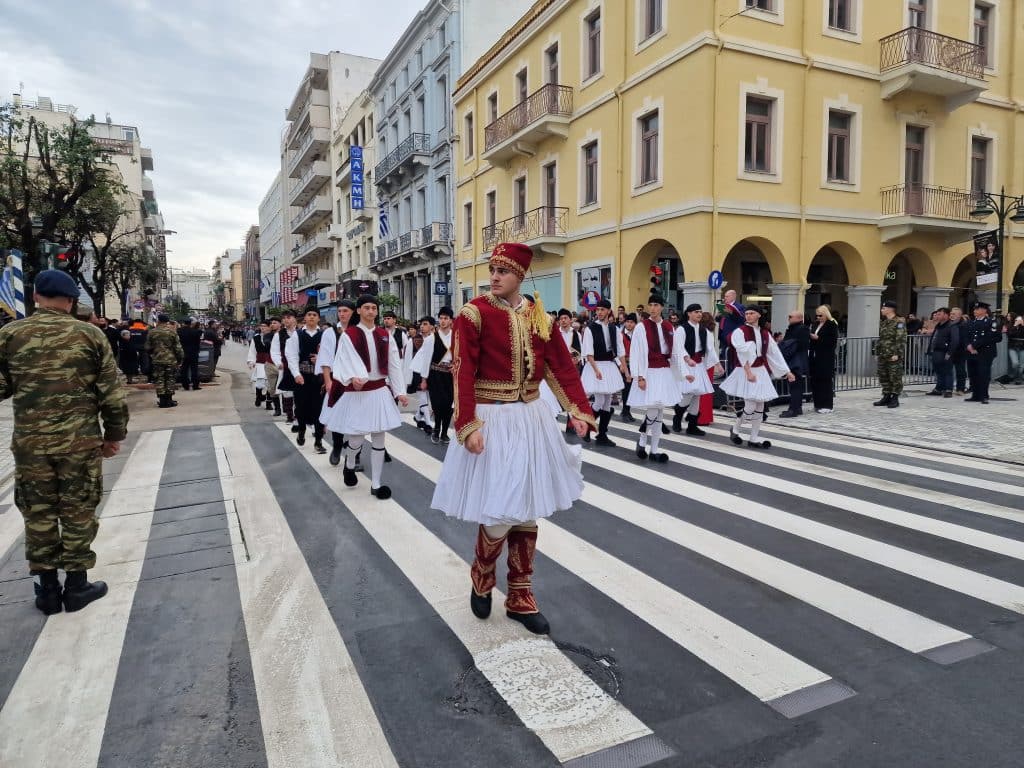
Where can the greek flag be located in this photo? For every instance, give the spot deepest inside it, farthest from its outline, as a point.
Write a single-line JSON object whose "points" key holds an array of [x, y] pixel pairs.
{"points": [[385, 227], [12, 290]]}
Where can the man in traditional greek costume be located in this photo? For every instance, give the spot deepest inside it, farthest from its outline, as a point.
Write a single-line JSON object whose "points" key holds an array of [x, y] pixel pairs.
{"points": [[699, 356]]}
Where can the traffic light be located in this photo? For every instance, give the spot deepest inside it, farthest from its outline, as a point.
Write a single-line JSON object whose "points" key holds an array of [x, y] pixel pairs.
{"points": [[656, 277], [55, 255]]}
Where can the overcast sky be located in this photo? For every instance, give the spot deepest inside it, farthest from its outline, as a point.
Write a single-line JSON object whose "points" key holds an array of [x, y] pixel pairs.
{"points": [[206, 83]]}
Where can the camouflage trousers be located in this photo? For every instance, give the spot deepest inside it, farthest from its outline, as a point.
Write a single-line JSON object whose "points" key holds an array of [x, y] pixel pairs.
{"points": [[890, 376], [164, 377], [271, 379], [58, 496]]}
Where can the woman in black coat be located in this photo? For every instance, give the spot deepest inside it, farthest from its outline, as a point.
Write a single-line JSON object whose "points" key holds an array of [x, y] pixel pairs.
{"points": [[824, 339]]}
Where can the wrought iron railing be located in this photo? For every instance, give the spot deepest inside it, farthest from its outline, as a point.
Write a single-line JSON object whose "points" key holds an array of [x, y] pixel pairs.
{"points": [[308, 139], [311, 243], [922, 46], [309, 207], [393, 247], [550, 99], [414, 144], [545, 221], [922, 200], [380, 253], [438, 232]]}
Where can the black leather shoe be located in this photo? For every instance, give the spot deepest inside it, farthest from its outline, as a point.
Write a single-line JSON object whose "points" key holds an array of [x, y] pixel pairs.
{"points": [[692, 428], [335, 458], [381, 493], [789, 415], [736, 439], [535, 622], [894, 402], [295, 428], [884, 401], [658, 458], [481, 606], [664, 429], [603, 439], [763, 444], [48, 593], [301, 439], [349, 476], [641, 452], [318, 446], [78, 592], [935, 393]]}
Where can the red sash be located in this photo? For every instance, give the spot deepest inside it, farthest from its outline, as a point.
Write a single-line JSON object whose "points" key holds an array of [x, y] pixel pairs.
{"points": [[263, 357]]}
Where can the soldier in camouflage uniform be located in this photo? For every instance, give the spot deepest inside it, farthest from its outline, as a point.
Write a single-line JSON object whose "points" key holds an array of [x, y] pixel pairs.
{"points": [[165, 351], [61, 373], [891, 350]]}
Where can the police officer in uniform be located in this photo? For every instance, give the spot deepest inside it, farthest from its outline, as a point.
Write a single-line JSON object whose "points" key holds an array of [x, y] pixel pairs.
{"points": [[891, 350], [62, 376], [166, 354], [982, 334]]}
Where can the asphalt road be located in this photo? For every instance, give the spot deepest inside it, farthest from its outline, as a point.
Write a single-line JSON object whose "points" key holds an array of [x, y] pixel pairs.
{"points": [[828, 602]]}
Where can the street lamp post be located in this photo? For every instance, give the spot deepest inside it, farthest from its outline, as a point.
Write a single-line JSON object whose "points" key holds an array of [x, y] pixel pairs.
{"points": [[1004, 207]]}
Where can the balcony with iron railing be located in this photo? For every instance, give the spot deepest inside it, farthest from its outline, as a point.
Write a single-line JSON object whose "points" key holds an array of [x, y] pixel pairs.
{"points": [[312, 213], [316, 112], [438, 233], [544, 113], [415, 149], [909, 208], [921, 61], [312, 279], [310, 145], [543, 228], [303, 190], [396, 250], [312, 248]]}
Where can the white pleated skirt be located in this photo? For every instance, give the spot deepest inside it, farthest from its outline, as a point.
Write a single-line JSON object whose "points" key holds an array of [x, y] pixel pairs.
{"points": [[701, 384], [549, 398], [609, 383], [736, 385], [662, 390], [363, 413], [527, 471], [326, 411]]}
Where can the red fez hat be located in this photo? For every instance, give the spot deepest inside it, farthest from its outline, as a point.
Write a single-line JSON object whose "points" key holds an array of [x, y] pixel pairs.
{"points": [[514, 257]]}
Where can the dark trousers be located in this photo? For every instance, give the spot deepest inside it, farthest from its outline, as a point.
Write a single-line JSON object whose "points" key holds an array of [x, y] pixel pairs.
{"points": [[308, 401], [822, 391], [960, 368], [441, 388], [980, 370], [796, 394], [190, 372], [943, 372]]}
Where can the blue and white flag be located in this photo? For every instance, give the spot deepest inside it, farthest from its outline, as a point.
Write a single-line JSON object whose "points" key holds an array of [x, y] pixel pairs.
{"points": [[385, 227], [12, 286]]}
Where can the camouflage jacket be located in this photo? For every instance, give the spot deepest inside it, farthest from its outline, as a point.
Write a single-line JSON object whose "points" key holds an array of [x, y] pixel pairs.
{"points": [[164, 346], [892, 338], [62, 376]]}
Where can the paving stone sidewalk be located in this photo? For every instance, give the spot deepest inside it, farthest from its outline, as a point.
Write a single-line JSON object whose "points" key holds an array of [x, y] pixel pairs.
{"points": [[994, 431]]}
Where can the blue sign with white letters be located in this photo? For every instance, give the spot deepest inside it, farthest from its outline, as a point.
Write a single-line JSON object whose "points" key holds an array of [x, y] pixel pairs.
{"points": [[356, 168], [715, 280]]}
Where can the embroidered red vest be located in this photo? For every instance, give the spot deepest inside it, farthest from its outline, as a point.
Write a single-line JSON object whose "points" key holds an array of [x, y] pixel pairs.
{"points": [[381, 338], [748, 335], [655, 358]]}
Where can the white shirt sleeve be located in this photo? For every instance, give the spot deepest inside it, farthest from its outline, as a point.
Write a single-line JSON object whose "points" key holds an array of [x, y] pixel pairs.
{"points": [[291, 353], [711, 354], [347, 363], [275, 349], [775, 359], [396, 377], [587, 344], [638, 353], [676, 361], [250, 358], [746, 351], [325, 355], [421, 361]]}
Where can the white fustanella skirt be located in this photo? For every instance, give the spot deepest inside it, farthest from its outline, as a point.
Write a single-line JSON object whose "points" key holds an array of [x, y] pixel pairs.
{"points": [[527, 471], [736, 385], [609, 383], [662, 390], [363, 413], [701, 384]]}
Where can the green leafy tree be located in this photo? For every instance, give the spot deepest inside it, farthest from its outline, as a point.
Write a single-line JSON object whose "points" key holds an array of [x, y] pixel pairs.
{"points": [[131, 264]]}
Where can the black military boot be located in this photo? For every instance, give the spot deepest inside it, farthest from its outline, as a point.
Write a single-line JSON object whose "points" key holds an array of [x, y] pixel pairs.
{"points": [[318, 444], [894, 401], [603, 417], [277, 405], [47, 587], [259, 397], [691, 426], [78, 592], [677, 418], [161, 401], [886, 397], [627, 416]]}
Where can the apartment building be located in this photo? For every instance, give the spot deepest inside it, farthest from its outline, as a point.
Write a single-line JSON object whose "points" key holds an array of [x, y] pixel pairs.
{"points": [[192, 286], [813, 151], [330, 84], [272, 244], [251, 276], [413, 171]]}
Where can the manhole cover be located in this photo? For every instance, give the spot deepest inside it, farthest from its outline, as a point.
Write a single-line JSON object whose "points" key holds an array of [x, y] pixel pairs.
{"points": [[531, 677]]}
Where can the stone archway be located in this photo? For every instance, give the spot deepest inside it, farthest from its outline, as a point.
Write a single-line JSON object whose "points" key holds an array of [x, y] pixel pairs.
{"points": [[964, 283], [828, 277], [663, 254], [749, 271], [908, 269]]}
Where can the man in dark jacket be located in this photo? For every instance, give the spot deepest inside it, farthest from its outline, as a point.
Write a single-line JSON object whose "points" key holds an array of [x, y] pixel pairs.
{"points": [[191, 338], [983, 334], [794, 348], [959, 358], [214, 336], [943, 344]]}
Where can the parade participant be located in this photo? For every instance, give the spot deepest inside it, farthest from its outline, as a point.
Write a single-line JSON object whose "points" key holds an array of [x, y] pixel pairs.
{"points": [[301, 354], [398, 332], [368, 365], [758, 360], [983, 334], [424, 418], [698, 357], [165, 353], [510, 466], [286, 377], [64, 383], [628, 326], [570, 336], [434, 365], [604, 368], [324, 362], [654, 362], [891, 349], [257, 359], [273, 399]]}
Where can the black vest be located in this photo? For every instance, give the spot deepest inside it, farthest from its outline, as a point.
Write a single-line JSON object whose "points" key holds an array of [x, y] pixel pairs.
{"points": [[690, 342], [262, 343], [282, 339], [308, 345], [597, 334], [440, 350]]}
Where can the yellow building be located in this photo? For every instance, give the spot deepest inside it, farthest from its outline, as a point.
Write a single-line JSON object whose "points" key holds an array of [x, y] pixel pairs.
{"points": [[812, 151]]}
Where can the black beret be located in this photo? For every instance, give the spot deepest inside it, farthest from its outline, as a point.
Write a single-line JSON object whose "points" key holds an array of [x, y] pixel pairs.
{"points": [[428, 319], [367, 299], [754, 308], [656, 298], [631, 316], [563, 312], [446, 311], [311, 308], [694, 308], [347, 303], [890, 304], [53, 282], [605, 304], [390, 313], [163, 318]]}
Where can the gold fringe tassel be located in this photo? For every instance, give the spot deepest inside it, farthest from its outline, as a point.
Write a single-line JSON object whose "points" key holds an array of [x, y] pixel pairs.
{"points": [[539, 318]]}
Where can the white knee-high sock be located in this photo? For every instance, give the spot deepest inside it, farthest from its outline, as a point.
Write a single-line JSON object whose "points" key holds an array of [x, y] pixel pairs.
{"points": [[355, 444], [688, 401], [756, 419], [376, 459], [602, 403], [653, 422]]}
